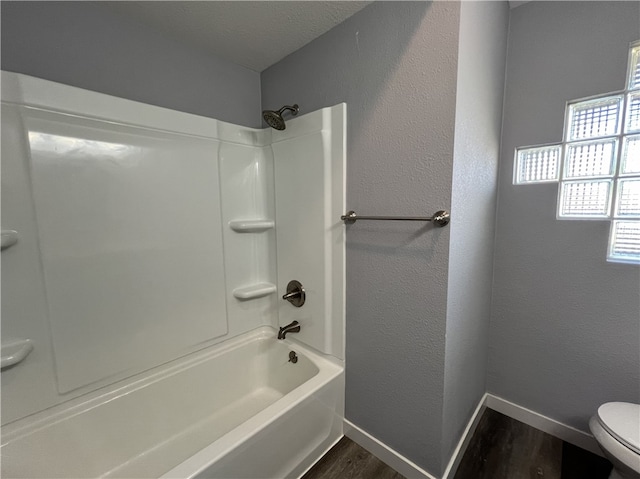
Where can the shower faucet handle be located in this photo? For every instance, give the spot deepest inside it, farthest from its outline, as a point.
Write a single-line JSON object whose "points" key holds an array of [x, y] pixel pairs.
{"points": [[291, 295], [295, 293]]}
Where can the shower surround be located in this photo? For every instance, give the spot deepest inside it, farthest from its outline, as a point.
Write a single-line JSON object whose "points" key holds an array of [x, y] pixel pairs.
{"points": [[151, 242]]}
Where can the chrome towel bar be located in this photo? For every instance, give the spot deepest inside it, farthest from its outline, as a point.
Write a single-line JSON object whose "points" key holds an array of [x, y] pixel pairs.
{"points": [[440, 218]]}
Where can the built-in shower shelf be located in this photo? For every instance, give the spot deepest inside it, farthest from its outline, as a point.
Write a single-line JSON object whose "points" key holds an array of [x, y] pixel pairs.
{"points": [[9, 238], [253, 291], [251, 226], [14, 352]]}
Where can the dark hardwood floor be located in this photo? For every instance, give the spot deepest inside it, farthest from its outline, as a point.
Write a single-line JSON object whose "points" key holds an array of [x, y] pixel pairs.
{"points": [[504, 448], [347, 460], [501, 448]]}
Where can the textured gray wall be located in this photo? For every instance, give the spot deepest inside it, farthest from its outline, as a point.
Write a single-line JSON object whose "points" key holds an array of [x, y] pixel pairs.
{"points": [[84, 45], [565, 327], [394, 63], [480, 88], [565, 324]]}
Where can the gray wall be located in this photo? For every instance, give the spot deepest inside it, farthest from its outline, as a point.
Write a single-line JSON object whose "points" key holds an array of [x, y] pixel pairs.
{"points": [[565, 327], [84, 45], [394, 63], [480, 88], [564, 323]]}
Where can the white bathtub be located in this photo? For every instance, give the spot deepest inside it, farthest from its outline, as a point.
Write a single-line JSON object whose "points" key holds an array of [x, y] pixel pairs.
{"points": [[237, 410]]}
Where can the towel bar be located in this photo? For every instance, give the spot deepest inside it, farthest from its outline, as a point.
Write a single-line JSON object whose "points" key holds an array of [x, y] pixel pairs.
{"points": [[440, 218]]}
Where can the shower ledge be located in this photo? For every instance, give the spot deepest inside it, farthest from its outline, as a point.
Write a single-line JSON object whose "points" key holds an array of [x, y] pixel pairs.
{"points": [[14, 352], [253, 291], [251, 226]]}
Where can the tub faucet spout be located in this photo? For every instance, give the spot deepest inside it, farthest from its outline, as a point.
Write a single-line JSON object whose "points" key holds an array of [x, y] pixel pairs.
{"points": [[293, 327]]}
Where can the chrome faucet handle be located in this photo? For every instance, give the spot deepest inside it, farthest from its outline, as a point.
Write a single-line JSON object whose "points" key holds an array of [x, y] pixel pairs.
{"points": [[295, 293]]}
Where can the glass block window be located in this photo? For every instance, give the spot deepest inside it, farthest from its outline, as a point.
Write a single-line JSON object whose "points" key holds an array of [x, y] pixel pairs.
{"points": [[597, 165], [594, 118], [630, 156], [536, 165], [590, 158], [624, 242], [634, 68], [628, 198], [585, 199], [593, 161], [633, 113]]}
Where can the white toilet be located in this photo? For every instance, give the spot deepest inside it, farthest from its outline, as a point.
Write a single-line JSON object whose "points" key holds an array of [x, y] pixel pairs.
{"points": [[616, 427]]}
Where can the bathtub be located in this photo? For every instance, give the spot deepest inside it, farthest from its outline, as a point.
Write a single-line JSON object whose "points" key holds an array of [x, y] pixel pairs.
{"points": [[237, 410]]}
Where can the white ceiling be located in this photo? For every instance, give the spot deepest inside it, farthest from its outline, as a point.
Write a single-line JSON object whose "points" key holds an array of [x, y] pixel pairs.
{"points": [[254, 34]]}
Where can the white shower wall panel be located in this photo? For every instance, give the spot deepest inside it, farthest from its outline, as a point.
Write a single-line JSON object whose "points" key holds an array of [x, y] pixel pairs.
{"points": [[130, 235], [247, 192], [146, 234], [119, 265], [24, 309], [310, 159]]}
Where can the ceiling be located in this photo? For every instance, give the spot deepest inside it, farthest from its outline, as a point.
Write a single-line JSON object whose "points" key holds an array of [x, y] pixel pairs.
{"points": [[254, 34]]}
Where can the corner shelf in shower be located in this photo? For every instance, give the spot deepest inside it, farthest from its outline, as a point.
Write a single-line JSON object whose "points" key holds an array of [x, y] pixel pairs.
{"points": [[253, 291], [251, 226], [9, 238], [14, 352]]}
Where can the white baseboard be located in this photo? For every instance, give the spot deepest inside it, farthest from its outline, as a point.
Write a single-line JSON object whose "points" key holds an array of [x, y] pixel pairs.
{"points": [[403, 465], [409, 469], [460, 449], [543, 423], [383, 452]]}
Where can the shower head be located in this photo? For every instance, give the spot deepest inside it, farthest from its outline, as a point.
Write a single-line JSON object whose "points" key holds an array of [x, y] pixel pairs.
{"points": [[274, 118]]}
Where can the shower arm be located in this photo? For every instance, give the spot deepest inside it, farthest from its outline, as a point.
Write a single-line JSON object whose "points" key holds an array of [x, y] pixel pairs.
{"points": [[293, 109]]}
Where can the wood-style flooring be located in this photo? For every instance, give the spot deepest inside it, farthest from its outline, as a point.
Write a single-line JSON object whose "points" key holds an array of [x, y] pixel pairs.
{"points": [[347, 460], [501, 448]]}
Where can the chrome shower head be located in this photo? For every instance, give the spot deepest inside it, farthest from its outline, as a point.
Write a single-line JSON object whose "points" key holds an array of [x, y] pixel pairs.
{"points": [[274, 118]]}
